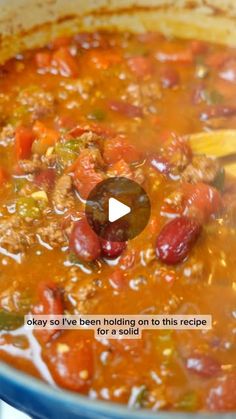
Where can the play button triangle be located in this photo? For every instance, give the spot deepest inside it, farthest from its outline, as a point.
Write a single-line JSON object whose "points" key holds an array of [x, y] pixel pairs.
{"points": [[117, 210]]}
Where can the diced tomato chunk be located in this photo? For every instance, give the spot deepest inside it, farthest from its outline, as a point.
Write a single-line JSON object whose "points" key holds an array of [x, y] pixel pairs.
{"points": [[103, 59], [203, 365], [24, 138], [217, 59], [45, 179], [43, 59], [169, 77], [85, 172], [141, 66], [3, 176], [198, 47], [45, 137], [119, 148], [201, 201], [65, 62], [61, 41], [120, 169], [95, 128], [221, 395], [70, 361]]}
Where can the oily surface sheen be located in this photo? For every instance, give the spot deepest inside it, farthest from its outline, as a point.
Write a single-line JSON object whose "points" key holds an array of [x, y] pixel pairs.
{"points": [[78, 112]]}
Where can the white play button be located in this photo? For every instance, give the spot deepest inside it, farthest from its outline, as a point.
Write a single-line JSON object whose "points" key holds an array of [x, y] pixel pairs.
{"points": [[117, 210]]}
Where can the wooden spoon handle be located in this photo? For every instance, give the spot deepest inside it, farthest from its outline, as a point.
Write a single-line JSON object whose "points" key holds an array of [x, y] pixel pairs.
{"points": [[214, 143]]}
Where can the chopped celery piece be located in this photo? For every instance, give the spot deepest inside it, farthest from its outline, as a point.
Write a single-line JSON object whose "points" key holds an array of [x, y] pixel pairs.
{"points": [[18, 184], [10, 321], [188, 402], [97, 115], [213, 97], [27, 207], [68, 151], [137, 397]]}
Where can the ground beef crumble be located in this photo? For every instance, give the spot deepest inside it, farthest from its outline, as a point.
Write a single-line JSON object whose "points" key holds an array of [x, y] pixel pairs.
{"points": [[53, 234], [63, 197], [201, 169], [38, 102], [30, 166], [7, 135], [14, 235]]}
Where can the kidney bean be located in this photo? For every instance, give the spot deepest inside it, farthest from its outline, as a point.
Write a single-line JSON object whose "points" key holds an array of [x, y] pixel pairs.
{"points": [[169, 77], [112, 249], [45, 178], [70, 361], [50, 301], [126, 109], [217, 111], [203, 365], [176, 240], [201, 201], [159, 163], [84, 242], [221, 395]]}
